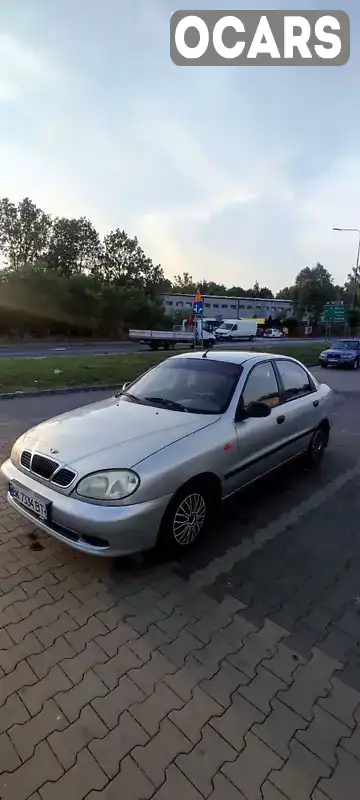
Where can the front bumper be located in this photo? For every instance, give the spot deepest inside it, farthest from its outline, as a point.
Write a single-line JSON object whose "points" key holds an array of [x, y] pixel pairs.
{"points": [[339, 362], [90, 528]]}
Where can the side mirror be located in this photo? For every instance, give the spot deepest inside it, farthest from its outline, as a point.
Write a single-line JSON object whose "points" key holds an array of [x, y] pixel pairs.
{"points": [[257, 410], [253, 411]]}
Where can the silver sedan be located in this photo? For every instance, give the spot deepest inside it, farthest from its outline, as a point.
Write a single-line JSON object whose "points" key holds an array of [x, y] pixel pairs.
{"points": [[152, 464]]}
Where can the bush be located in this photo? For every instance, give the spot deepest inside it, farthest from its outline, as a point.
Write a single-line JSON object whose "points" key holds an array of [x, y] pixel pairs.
{"points": [[38, 302]]}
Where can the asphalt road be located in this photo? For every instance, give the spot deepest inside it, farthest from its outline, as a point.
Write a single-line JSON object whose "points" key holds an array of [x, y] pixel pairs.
{"points": [[50, 350]]}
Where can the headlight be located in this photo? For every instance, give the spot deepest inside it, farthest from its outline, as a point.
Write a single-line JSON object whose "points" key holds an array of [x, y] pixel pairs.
{"points": [[108, 486], [323, 354], [16, 451]]}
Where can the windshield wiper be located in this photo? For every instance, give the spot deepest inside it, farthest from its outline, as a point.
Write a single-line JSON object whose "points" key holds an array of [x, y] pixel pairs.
{"points": [[163, 401], [131, 397]]}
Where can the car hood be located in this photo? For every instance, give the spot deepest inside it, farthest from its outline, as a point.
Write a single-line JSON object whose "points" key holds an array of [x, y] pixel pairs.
{"points": [[339, 352], [112, 433]]}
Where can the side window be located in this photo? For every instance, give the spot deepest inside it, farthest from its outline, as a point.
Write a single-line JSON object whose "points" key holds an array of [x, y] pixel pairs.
{"points": [[295, 380], [261, 386]]}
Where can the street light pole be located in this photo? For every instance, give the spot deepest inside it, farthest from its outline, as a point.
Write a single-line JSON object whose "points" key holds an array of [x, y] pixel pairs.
{"points": [[357, 263], [356, 270]]}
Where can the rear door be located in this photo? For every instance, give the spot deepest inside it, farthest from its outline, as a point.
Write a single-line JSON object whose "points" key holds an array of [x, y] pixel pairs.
{"points": [[300, 407]]}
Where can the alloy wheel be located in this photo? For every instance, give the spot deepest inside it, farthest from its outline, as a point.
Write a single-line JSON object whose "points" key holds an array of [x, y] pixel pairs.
{"points": [[189, 519], [317, 446]]}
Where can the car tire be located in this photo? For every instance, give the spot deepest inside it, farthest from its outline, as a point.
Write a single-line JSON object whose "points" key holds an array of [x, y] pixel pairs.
{"points": [[187, 518], [356, 363], [318, 444], [323, 366]]}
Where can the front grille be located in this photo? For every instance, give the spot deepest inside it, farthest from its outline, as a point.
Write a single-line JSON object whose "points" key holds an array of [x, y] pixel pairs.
{"points": [[25, 459], [42, 466], [46, 468], [64, 477]]}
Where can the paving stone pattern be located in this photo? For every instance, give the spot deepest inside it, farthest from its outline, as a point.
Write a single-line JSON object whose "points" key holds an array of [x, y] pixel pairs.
{"points": [[127, 682]]}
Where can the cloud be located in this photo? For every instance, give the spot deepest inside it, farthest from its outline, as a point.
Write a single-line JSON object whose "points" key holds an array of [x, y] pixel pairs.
{"points": [[169, 230], [212, 221], [233, 174], [24, 70], [333, 199]]}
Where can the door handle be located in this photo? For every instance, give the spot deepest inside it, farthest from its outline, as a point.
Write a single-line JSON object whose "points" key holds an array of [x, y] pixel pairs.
{"points": [[281, 419], [316, 403]]}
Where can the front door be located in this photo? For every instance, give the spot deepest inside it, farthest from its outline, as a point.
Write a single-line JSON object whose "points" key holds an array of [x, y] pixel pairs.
{"points": [[257, 439]]}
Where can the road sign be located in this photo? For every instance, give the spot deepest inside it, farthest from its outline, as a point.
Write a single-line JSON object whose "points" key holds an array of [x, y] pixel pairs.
{"points": [[198, 304], [334, 312]]}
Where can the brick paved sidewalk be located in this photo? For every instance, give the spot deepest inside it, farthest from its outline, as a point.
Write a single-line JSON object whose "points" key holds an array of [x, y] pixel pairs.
{"points": [[128, 686]]}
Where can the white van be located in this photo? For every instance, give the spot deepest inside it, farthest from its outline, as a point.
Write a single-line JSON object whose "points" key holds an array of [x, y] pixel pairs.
{"points": [[204, 331], [203, 323], [232, 329]]}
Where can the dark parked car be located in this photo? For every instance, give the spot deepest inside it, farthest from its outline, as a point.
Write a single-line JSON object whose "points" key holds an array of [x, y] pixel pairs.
{"points": [[343, 353]]}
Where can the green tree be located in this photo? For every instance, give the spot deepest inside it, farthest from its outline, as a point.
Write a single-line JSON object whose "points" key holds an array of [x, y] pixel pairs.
{"points": [[38, 301], [291, 323], [255, 290], [353, 319], [265, 292], [287, 293], [24, 232], [211, 288], [33, 300], [236, 291], [260, 291], [74, 246], [184, 283], [124, 263], [313, 288]]}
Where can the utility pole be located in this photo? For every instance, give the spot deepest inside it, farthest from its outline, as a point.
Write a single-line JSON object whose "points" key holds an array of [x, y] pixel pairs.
{"points": [[357, 264]]}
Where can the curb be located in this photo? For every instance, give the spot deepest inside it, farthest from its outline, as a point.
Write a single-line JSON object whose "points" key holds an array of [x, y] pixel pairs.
{"points": [[72, 390]]}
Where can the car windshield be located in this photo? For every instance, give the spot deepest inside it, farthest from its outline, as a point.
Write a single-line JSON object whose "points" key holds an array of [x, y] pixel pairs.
{"points": [[344, 344], [226, 326], [195, 385], [209, 325]]}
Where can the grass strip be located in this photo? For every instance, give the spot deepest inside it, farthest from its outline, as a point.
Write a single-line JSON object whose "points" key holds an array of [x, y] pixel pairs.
{"points": [[24, 374]]}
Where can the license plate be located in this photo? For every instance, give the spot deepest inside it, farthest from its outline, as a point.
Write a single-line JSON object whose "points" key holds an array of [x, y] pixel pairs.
{"points": [[37, 507]]}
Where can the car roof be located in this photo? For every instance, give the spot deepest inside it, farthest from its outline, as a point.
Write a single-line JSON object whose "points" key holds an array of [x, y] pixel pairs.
{"points": [[347, 339], [233, 356]]}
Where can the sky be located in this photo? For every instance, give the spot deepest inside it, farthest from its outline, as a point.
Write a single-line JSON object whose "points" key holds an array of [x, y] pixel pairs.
{"points": [[230, 174]]}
